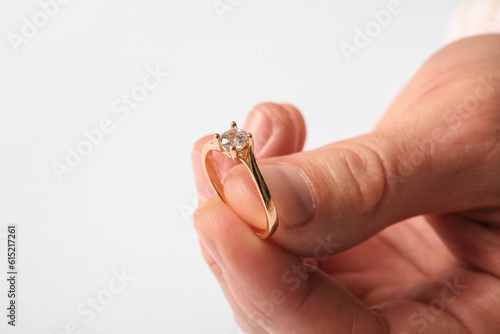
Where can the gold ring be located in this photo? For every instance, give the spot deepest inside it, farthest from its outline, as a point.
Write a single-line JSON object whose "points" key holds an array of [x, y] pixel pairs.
{"points": [[238, 145]]}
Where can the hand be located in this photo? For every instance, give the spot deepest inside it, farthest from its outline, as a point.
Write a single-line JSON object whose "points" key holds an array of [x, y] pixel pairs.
{"points": [[394, 231]]}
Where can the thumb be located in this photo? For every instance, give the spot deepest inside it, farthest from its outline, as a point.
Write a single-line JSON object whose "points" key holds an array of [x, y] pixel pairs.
{"points": [[437, 155]]}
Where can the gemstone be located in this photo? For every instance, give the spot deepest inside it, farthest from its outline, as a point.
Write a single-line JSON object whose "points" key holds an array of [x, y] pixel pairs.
{"points": [[234, 137]]}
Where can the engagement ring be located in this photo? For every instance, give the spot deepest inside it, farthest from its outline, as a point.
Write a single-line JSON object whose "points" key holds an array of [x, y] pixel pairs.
{"points": [[238, 145]]}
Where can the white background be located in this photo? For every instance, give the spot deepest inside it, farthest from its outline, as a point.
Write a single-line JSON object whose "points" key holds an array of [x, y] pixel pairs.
{"points": [[127, 205]]}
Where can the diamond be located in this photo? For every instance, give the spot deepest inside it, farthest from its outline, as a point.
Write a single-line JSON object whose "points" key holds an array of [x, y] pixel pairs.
{"points": [[235, 137]]}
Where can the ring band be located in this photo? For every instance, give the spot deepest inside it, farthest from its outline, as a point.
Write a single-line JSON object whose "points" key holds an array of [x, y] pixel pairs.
{"points": [[238, 145]]}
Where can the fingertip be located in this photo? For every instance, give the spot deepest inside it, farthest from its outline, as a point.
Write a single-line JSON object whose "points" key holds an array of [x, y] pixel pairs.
{"points": [[203, 187], [216, 221], [299, 123], [206, 253], [204, 214], [291, 193], [240, 188], [198, 145], [278, 129]]}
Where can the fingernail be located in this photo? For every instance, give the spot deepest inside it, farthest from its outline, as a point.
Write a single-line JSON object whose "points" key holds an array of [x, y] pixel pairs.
{"points": [[292, 194], [261, 126], [212, 248]]}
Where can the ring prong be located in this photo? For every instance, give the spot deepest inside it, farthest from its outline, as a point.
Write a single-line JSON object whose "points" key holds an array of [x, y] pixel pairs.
{"points": [[217, 141], [232, 151], [249, 135], [250, 140], [233, 125]]}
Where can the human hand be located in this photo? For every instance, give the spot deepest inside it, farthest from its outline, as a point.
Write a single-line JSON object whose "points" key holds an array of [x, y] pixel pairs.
{"points": [[394, 231]]}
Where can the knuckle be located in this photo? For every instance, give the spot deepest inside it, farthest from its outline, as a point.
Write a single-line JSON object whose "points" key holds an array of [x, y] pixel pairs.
{"points": [[363, 174]]}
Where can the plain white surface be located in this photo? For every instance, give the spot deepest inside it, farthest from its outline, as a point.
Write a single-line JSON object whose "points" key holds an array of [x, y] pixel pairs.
{"points": [[474, 17], [127, 205]]}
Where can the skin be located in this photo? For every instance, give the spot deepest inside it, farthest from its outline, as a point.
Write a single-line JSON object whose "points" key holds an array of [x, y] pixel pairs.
{"points": [[399, 228]]}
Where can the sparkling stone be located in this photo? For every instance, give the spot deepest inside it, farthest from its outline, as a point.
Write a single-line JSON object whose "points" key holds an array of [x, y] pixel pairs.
{"points": [[234, 137]]}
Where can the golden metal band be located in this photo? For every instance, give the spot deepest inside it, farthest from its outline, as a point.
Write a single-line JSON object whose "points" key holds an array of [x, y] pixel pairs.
{"points": [[244, 154]]}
